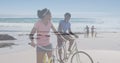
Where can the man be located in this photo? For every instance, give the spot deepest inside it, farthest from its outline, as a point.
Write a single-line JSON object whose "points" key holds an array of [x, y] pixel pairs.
{"points": [[87, 31], [65, 29]]}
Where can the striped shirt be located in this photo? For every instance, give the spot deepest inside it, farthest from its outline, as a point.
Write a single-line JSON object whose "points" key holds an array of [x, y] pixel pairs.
{"points": [[42, 32]]}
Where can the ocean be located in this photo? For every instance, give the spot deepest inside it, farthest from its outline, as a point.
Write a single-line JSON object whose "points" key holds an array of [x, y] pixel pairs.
{"points": [[21, 27], [78, 24]]}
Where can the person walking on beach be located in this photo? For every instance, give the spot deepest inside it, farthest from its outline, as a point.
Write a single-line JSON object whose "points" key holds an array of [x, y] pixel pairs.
{"points": [[93, 33], [87, 31], [42, 28], [65, 29]]}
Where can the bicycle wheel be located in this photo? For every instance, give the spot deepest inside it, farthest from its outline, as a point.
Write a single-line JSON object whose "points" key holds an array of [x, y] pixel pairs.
{"points": [[81, 57]]}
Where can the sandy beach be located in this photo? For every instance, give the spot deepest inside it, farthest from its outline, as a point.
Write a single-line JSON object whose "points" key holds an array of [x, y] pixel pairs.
{"points": [[27, 56], [23, 20], [105, 48]]}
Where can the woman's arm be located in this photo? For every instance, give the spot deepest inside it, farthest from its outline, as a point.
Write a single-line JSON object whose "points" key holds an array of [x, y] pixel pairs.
{"points": [[60, 28], [57, 33], [32, 33], [54, 30], [31, 36]]}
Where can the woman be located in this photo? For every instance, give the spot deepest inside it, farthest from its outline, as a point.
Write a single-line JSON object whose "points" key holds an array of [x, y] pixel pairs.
{"points": [[42, 28], [93, 33]]}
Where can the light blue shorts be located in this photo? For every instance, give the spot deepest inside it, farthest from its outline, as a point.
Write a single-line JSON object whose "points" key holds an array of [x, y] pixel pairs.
{"points": [[47, 48]]}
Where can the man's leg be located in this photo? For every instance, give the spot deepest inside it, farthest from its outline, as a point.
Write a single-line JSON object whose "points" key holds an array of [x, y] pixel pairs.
{"points": [[60, 45], [71, 41], [70, 45]]}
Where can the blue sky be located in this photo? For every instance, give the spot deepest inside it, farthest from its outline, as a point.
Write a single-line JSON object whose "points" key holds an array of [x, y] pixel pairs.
{"points": [[78, 8]]}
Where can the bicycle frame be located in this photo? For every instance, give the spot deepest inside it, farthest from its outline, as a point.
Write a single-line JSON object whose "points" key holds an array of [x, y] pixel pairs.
{"points": [[65, 54]]}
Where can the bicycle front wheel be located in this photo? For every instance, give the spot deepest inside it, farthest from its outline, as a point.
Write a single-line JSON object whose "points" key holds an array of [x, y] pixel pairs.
{"points": [[81, 57]]}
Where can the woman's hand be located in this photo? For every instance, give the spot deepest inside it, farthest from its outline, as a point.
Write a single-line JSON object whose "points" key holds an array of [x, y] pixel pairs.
{"points": [[32, 44]]}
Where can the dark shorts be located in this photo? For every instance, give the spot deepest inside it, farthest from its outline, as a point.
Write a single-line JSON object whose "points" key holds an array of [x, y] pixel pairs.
{"points": [[47, 48], [60, 41]]}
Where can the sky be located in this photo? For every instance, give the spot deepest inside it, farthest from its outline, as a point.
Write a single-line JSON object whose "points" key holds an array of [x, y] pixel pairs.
{"points": [[78, 8]]}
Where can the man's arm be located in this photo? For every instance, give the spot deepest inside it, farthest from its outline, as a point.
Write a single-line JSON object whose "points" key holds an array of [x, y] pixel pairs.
{"points": [[70, 32]]}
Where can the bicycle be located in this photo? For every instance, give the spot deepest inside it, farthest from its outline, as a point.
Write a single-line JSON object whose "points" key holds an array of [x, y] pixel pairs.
{"points": [[75, 54]]}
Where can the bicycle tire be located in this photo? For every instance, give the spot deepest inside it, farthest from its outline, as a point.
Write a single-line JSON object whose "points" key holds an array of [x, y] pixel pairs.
{"points": [[82, 53]]}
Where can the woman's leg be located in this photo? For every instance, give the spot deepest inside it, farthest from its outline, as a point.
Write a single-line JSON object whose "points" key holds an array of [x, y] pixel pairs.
{"points": [[40, 56], [49, 56]]}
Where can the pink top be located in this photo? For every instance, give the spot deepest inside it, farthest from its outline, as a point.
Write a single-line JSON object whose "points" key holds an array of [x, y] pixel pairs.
{"points": [[42, 31]]}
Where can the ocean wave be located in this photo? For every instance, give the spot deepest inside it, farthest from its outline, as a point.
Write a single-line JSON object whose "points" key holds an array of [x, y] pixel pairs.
{"points": [[78, 24]]}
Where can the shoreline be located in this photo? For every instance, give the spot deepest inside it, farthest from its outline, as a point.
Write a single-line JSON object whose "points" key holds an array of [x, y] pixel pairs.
{"points": [[103, 49], [18, 37]]}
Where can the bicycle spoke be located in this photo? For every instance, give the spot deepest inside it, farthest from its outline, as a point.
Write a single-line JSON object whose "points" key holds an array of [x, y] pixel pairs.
{"points": [[78, 58]]}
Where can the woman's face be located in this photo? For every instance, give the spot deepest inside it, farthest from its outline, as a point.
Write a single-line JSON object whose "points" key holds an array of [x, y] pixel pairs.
{"points": [[48, 17]]}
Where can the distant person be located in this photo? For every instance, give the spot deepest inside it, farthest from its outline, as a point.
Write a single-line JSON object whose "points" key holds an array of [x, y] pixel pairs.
{"points": [[65, 29], [93, 33], [87, 31]]}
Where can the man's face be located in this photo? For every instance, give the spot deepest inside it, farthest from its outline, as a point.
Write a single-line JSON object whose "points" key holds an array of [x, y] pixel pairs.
{"points": [[67, 18]]}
